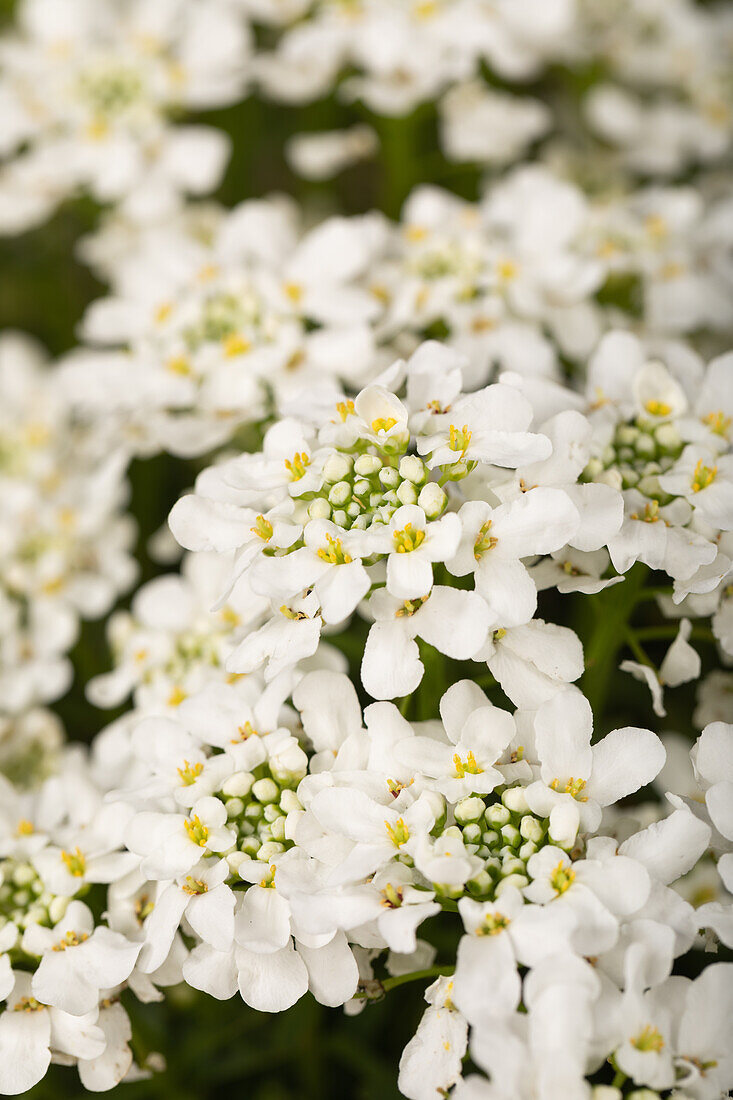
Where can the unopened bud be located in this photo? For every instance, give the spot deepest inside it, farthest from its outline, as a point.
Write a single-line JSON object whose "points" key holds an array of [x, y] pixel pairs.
{"points": [[407, 494], [432, 500], [412, 469]]}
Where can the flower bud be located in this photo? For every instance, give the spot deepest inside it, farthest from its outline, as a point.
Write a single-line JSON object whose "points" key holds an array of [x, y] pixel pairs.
{"points": [[412, 468], [336, 468], [368, 465], [266, 790], [468, 809], [389, 477], [407, 494], [432, 500], [515, 799], [340, 493], [238, 785], [319, 509]]}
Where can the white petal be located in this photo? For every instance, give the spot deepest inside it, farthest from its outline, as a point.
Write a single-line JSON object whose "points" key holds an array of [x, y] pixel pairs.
{"points": [[625, 760]]}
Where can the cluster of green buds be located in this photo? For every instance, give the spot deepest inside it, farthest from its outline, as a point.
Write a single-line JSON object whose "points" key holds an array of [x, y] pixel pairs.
{"points": [[24, 899], [503, 833], [365, 489], [110, 89], [257, 805], [225, 319], [638, 453]]}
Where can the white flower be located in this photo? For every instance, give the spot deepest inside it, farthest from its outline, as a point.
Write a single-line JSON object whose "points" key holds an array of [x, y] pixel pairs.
{"points": [[77, 960], [433, 1057], [171, 843], [578, 780], [453, 621]]}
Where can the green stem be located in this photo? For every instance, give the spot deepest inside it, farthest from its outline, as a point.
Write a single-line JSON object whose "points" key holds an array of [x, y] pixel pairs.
{"points": [[611, 610], [637, 649], [652, 633], [373, 990]]}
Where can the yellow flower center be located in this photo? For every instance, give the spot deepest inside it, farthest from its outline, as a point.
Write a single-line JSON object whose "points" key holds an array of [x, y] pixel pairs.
{"points": [[484, 541], [718, 422], [383, 423], [24, 827], [189, 773], [392, 896], [562, 878], [179, 364], [334, 553], [297, 465], [197, 831], [71, 939], [469, 766], [235, 344], [345, 409], [572, 787], [658, 408], [648, 1039], [493, 924], [460, 438], [408, 539], [28, 1004], [75, 862], [263, 527], [293, 291], [194, 886], [176, 697], [399, 834], [703, 476]]}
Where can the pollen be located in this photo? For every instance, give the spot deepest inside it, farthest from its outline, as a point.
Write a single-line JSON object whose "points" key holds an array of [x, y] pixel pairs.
{"points": [[392, 896], [345, 409], [383, 423], [293, 291], [235, 344], [334, 553], [75, 862], [407, 539], [176, 697], [493, 924], [297, 465], [648, 1039], [718, 422], [469, 766], [197, 831], [24, 827], [658, 408], [189, 773], [179, 364], [573, 787], [194, 886], [28, 1004], [460, 438], [562, 878], [71, 939], [703, 477], [507, 270], [399, 833], [263, 528], [484, 541], [245, 731]]}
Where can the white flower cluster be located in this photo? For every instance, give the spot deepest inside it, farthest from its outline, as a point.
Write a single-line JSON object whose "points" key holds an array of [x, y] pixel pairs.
{"points": [[63, 965], [65, 547], [219, 322], [89, 92], [293, 856], [456, 474]]}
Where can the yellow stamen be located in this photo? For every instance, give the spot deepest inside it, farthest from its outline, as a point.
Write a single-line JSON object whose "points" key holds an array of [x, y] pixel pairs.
{"points": [[334, 553], [75, 862], [407, 540]]}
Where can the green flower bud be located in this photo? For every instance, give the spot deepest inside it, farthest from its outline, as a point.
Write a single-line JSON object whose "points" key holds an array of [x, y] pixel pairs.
{"points": [[266, 790], [468, 810]]}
